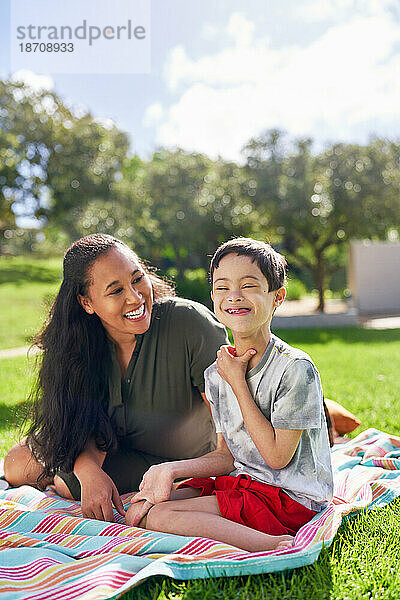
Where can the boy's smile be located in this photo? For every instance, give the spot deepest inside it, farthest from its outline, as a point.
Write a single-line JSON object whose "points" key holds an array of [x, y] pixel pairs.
{"points": [[242, 300], [237, 311]]}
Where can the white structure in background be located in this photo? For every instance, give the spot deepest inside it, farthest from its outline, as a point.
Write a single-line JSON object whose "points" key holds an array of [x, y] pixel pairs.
{"points": [[374, 277]]}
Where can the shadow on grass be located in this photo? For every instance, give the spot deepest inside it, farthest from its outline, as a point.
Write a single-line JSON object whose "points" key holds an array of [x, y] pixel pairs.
{"points": [[22, 273], [14, 416], [362, 559], [314, 581], [349, 335], [293, 585]]}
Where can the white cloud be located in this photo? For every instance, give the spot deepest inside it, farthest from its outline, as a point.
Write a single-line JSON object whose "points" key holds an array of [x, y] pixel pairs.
{"points": [[209, 31], [237, 63], [338, 86], [34, 81], [153, 114], [326, 10], [241, 29]]}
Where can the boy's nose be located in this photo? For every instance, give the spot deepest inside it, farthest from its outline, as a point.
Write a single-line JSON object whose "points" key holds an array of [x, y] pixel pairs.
{"points": [[235, 296]]}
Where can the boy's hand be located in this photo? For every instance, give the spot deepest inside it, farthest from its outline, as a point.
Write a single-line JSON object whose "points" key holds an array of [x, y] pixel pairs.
{"points": [[233, 368], [156, 484]]}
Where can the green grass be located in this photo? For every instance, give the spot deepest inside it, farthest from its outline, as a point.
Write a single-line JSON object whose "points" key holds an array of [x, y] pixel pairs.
{"points": [[15, 383], [359, 368], [362, 563], [27, 287]]}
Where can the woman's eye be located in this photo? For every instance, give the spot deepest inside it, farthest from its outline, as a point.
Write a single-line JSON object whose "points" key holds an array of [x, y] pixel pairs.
{"points": [[139, 278], [248, 285], [117, 291]]}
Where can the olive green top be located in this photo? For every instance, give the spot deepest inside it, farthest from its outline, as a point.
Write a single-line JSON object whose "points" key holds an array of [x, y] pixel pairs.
{"points": [[157, 407]]}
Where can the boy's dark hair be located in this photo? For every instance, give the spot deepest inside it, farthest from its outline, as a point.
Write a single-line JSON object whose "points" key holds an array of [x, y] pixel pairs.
{"points": [[270, 262]]}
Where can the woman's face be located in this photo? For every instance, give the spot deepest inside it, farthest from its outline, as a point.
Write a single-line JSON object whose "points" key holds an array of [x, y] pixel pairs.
{"points": [[120, 293]]}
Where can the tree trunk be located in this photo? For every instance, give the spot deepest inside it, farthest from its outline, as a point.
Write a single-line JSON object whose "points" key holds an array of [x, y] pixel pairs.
{"points": [[320, 282]]}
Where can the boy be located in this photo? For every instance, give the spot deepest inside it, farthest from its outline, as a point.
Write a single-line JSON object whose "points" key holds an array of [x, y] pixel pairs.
{"points": [[272, 464]]}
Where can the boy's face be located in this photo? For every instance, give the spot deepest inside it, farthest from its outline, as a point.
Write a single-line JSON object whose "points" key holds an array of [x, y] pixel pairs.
{"points": [[242, 300]]}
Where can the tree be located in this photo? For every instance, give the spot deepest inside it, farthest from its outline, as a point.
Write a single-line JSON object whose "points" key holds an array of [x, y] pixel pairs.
{"points": [[8, 174], [316, 203], [84, 160], [57, 159]]}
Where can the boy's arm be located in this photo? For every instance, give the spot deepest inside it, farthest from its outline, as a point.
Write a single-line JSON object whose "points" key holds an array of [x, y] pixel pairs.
{"points": [[276, 446], [157, 482]]}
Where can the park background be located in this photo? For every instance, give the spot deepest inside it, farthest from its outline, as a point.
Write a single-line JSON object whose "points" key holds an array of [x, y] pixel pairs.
{"points": [[274, 120]]}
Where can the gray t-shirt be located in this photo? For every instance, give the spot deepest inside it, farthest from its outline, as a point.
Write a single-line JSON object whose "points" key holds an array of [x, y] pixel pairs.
{"points": [[286, 386]]}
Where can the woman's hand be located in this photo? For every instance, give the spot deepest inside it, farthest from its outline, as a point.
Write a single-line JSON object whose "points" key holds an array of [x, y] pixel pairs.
{"points": [[233, 368], [98, 494]]}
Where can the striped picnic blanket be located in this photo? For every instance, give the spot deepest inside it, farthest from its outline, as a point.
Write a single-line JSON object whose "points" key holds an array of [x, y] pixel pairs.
{"points": [[49, 551]]}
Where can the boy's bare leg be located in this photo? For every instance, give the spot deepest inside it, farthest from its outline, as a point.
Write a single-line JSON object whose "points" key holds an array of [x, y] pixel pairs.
{"points": [[136, 508], [201, 517]]}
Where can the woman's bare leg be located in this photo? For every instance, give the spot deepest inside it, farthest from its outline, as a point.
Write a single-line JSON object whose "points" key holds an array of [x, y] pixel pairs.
{"points": [[201, 517], [21, 468]]}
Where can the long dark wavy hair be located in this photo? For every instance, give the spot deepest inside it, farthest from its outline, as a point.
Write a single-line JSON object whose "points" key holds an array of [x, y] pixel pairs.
{"points": [[71, 391]]}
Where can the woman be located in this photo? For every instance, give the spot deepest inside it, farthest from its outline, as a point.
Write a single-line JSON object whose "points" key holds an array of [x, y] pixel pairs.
{"points": [[121, 382]]}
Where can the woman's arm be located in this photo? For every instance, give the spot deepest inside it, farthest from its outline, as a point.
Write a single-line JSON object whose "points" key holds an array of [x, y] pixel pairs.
{"points": [[99, 491]]}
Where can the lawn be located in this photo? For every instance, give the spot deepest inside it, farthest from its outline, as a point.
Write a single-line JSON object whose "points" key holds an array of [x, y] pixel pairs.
{"points": [[360, 369], [27, 287]]}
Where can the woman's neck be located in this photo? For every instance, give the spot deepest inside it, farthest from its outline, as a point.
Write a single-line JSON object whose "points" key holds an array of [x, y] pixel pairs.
{"points": [[123, 353]]}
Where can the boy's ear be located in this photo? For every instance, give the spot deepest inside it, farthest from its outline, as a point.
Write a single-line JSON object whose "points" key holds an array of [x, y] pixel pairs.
{"points": [[85, 303], [280, 295], [212, 296]]}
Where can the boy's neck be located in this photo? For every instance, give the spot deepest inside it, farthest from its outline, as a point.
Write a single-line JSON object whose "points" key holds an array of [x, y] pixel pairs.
{"points": [[258, 341]]}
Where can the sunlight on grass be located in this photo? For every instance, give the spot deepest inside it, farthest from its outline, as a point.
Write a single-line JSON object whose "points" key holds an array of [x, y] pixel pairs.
{"points": [[359, 368], [27, 287], [15, 383], [362, 563]]}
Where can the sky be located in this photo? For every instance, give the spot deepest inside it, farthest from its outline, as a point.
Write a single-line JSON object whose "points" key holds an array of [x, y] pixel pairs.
{"points": [[223, 71]]}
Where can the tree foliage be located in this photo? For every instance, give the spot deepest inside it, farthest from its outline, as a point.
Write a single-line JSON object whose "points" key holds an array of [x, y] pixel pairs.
{"points": [[56, 160], [73, 173], [316, 203]]}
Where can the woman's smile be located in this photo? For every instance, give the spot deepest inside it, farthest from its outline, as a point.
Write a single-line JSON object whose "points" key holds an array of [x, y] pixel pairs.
{"points": [[136, 315], [121, 294]]}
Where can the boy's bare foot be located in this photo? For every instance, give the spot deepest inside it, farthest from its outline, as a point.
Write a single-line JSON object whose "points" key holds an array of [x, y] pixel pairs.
{"points": [[286, 541], [133, 511]]}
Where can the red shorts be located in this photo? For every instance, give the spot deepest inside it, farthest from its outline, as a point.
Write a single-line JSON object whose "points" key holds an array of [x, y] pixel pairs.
{"points": [[250, 502]]}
